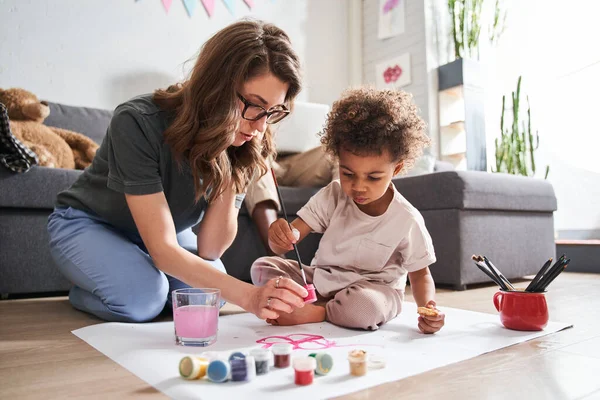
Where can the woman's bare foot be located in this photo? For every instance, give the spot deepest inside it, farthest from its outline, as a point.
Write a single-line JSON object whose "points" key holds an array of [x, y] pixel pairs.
{"points": [[309, 314]]}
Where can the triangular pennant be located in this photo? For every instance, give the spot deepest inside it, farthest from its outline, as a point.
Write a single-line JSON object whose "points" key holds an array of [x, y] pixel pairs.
{"points": [[190, 6], [230, 6], [167, 4], [249, 3], [209, 6]]}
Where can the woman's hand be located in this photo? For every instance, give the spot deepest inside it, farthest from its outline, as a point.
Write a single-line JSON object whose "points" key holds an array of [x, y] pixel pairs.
{"points": [[431, 324], [279, 295], [281, 237]]}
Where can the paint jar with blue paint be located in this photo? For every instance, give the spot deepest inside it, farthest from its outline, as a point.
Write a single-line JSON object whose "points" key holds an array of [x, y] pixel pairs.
{"points": [[218, 371], [262, 359]]}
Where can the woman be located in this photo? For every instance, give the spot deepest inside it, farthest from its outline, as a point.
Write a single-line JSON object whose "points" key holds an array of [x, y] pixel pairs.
{"points": [[168, 161]]}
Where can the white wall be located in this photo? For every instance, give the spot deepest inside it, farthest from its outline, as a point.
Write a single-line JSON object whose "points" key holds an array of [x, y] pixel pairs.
{"points": [[554, 45], [99, 53]]}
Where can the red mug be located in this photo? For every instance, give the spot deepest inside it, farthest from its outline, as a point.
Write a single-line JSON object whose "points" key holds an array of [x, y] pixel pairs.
{"points": [[522, 311]]}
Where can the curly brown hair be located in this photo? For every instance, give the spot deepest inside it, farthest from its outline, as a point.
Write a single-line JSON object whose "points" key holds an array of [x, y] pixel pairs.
{"points": [[367, 121]]}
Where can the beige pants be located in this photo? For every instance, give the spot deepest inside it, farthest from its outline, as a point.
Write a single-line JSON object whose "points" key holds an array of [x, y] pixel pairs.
{"points": [[363, 305], [313, 168]]}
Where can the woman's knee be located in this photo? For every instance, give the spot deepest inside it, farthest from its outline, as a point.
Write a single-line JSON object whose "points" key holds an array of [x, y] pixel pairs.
{"points": [[138, 302]]}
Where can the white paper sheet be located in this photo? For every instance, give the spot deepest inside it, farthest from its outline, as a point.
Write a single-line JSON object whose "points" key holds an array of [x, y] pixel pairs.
{"points": [[149, 351]]}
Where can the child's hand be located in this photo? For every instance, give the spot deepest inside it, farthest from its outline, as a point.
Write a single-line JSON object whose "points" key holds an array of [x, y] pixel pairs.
{"points": [[281, 237], [431, 324]]}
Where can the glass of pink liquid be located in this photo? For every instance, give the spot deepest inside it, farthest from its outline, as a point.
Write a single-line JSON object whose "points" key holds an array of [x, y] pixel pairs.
{"points": [[196, 316]]}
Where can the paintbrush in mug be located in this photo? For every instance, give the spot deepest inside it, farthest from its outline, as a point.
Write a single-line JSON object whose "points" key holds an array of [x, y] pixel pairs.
{"points": [[552, 276], [484, 268], [538, 276], [290, 225], [549, 270], [497, 272]]}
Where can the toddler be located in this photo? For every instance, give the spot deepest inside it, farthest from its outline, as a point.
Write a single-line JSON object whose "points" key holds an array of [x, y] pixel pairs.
{"points": [[373, 238]]}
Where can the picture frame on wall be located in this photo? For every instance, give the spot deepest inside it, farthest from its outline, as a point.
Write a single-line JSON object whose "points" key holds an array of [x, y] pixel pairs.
{"points": [[393, 73], [391, 16]]}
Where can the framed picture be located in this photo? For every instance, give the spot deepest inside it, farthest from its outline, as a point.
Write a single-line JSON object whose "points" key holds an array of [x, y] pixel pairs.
{"points": [[393, 73], [391, 18]]}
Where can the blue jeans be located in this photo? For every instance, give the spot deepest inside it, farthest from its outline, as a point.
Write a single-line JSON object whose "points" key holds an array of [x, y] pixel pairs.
{"points": [[113, 275]]}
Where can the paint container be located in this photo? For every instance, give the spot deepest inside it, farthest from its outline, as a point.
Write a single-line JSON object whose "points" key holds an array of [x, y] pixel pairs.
{"points": [[193, 367], [358, 362], [250, 368], [312, 294], [263, 358], [376, 362], [282, 353], [324, 363], [237, 356], [304, 369], [238, 369], [218, 371]]}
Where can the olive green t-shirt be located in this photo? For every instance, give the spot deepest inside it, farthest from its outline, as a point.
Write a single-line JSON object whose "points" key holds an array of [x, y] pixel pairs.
{"points": [[134, 159]]}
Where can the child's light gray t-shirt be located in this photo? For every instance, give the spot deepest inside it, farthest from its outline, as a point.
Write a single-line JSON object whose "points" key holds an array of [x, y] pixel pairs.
{"points": [[356, 246], [134, 159]]}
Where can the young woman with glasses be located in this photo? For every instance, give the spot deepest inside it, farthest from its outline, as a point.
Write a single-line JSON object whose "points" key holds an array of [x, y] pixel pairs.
{"points": [[178, 158]]}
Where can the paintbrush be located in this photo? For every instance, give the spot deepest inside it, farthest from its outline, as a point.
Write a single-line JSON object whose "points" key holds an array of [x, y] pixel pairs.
{"points": [[552, 275], [484, 268], [556, 265], [538, 276], [290, 225], [497, 272]]}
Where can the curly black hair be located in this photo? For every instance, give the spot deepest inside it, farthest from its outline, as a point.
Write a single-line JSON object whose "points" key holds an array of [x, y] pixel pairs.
{"points": [[367, 121]]}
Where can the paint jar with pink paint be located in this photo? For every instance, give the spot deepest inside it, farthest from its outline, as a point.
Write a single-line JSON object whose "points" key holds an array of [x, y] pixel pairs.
{"points": [[312, 293], [282, 353], [196, 316]]}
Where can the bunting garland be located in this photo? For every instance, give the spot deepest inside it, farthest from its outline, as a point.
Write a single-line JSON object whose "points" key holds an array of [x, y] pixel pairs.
{"points": [[209, 6], [190, 6]]}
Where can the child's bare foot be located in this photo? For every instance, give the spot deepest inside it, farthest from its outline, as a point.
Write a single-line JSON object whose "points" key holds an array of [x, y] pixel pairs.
{"points": [[309, 314]]}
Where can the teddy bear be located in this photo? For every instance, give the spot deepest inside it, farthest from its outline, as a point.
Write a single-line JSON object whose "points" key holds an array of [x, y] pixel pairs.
{"points": [[55, 147]]}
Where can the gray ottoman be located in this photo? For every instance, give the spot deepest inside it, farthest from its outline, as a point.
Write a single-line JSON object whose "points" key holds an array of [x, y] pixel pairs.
{"points": [[507, 218]]}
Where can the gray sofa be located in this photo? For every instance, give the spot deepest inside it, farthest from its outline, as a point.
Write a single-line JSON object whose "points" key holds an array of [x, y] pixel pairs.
{"points": [[508, 218]]}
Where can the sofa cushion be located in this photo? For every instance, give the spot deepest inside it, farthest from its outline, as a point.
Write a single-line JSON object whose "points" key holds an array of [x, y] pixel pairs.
{"points": [[477, 190], [92, 122], [36, 188]]}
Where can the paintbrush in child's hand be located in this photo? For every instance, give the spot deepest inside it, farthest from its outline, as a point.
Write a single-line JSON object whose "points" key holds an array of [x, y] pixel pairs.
{"points": [[290, 225]]}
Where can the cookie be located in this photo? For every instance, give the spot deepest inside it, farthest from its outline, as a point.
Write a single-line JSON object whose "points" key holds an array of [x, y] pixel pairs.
{"points": [[427, 312]]}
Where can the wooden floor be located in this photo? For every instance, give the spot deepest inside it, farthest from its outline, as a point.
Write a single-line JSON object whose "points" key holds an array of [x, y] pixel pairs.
{"points": [[40, 358]]}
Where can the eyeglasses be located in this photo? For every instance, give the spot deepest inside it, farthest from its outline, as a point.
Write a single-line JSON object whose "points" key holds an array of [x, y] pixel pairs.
{"points": [[254, 112]]}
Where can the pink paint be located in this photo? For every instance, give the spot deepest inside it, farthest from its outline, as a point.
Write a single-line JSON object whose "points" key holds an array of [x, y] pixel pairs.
{"points": [[196, 322], [312, 294], [305, 341]]}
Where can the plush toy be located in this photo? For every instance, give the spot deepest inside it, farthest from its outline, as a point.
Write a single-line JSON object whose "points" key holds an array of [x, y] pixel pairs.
{"points": [[55, 147]]}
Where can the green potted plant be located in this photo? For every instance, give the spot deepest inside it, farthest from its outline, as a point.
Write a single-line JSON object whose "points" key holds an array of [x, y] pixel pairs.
{"points": [[515, 152]]}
